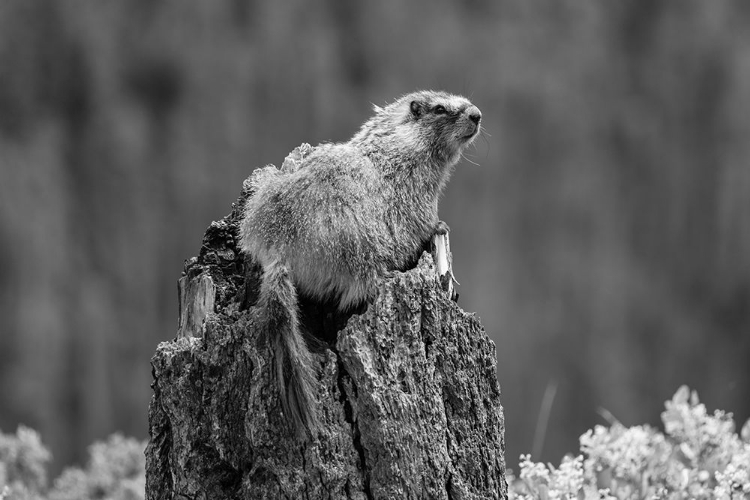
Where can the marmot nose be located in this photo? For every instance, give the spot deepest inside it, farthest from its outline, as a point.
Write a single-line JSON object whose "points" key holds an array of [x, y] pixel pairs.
{"points": [[474, 114]]}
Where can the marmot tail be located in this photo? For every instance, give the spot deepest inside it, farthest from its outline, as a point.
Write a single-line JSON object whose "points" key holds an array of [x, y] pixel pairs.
{"points": [[295, 374]]}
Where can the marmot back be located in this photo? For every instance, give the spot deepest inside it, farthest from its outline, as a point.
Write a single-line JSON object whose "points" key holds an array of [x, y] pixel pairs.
{"points": [[349, 213]]}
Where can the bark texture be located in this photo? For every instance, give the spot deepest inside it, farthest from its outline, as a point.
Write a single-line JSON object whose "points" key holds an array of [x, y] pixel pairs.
{"points": [[408, 394]]}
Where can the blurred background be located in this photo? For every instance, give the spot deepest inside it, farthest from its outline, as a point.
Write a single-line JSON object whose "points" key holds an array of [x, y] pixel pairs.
{"points": [[603, 238]]}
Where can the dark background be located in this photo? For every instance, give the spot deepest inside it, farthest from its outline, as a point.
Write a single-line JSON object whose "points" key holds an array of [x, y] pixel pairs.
{"points": [[604, 238]]}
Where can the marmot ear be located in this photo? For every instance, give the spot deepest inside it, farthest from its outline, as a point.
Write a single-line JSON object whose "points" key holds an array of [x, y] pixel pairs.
{"points": [[416, 109]]}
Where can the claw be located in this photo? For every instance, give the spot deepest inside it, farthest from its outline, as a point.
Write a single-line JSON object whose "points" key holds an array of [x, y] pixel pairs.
{"points": [[442, 228]]}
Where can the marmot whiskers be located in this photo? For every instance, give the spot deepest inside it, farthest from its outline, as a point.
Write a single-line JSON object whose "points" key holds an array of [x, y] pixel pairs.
{"points": [[349, 214]]}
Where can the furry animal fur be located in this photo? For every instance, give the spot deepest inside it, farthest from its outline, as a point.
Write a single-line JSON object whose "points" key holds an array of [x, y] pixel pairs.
{"points": [[350, 213]]}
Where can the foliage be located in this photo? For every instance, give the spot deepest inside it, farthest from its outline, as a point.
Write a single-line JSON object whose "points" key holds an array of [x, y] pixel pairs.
{"points": [[115, 471], [699, 457], [23, 458]]}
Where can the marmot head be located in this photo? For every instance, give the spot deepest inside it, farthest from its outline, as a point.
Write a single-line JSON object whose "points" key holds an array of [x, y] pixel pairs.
{"points": [[438, 124]]}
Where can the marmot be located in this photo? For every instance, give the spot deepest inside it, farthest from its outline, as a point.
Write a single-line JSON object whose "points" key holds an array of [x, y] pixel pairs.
{"points": [[346, 216]]}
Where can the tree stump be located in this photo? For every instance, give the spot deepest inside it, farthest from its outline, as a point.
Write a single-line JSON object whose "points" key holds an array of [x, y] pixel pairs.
{"points": [[409, 399]]}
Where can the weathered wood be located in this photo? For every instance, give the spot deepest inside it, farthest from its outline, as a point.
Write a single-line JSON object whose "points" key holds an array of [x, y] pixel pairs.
{"points": [[408, 394], [441, 253], [196, 299]]}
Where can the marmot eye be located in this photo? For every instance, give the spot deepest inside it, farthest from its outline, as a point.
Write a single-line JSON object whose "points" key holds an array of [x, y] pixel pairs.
{"points": [[439, 110]]}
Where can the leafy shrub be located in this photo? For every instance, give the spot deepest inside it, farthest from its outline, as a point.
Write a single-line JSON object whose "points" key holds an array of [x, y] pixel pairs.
{"points": [[115, 471], [23, 458], [699, 457]]}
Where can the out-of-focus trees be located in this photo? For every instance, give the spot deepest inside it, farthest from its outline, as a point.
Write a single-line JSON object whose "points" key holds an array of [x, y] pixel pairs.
{"points": [[604, 239]]}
